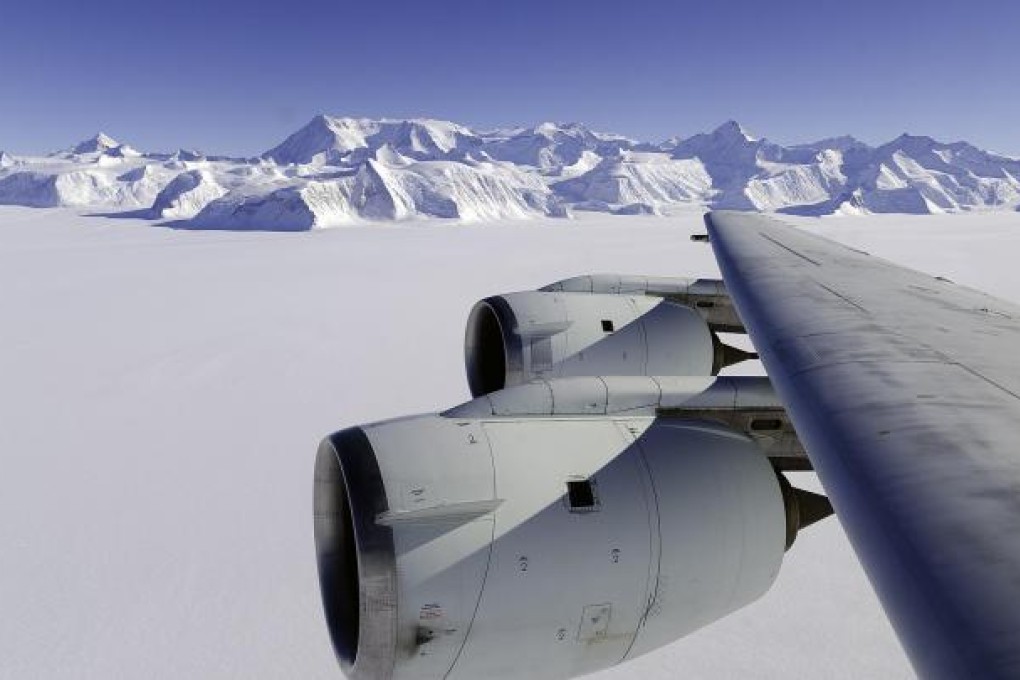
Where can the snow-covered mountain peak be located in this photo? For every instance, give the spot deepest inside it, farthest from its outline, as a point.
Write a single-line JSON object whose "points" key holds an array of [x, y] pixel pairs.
{"points": [[326, 139], [732, 157], [426, 138], [553, 147], [912, 144], [553, 130], [732, 130], [321, 138], [351, 141], [547, 128], [729, 142], [99, 143]]}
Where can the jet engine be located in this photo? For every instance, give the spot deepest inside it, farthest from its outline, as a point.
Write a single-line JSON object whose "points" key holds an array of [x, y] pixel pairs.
{"points": [[496, 541], [516, 337]]}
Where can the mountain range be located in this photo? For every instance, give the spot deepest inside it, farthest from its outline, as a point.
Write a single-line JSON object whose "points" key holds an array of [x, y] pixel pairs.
{"points": [[336, 171]]}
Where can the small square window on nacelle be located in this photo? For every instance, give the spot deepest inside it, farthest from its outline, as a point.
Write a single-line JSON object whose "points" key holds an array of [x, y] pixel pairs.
{"points": [[581, 496], [607, 325]]}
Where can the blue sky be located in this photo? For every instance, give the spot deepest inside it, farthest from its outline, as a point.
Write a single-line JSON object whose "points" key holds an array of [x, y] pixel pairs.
{"points": [[235, 77]]}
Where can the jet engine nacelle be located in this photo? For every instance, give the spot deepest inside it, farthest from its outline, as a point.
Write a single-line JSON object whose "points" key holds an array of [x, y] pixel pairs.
{"points": [[516, 337], [707, 296], [497, 547]]}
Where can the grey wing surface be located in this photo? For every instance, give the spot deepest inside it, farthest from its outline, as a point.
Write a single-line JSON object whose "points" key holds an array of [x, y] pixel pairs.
{"points": [[905, 390]]}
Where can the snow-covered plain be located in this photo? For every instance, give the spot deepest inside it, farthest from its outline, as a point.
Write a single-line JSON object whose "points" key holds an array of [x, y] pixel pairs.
{"points": [[162, 393]]}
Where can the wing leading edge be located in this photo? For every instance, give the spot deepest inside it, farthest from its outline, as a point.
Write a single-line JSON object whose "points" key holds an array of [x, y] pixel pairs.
{"points": [[905, 390]]}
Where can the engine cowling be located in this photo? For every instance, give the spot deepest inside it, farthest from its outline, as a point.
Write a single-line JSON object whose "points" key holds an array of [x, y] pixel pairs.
{"points": [[469, 547], [706, 296], [516, 337]]}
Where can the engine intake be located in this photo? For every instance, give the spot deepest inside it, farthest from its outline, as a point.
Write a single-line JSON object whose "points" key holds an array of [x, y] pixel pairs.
{"points": [[356, 557]]}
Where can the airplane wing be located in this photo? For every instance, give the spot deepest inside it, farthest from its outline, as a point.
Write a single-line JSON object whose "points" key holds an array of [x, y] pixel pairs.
{"points": [[905, 391]]}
